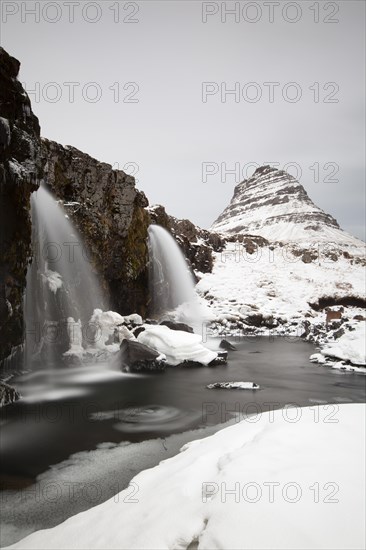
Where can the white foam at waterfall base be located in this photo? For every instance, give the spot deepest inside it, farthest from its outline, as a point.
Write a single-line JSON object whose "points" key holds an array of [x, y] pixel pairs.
{"points": [[172, 285]]}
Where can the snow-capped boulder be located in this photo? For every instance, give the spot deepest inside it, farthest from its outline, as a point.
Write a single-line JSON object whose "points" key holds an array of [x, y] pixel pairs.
{"points": [[177, 345], [133, 319]]}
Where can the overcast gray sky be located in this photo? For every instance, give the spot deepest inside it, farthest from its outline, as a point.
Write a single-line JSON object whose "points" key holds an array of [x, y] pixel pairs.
{"points": [[152, 111]]}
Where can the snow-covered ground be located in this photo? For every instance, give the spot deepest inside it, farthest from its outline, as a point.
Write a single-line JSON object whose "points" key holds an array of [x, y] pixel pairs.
{"points": [[276, 283], [292, 478], [348, 352], [274, 288], [351, 346]]}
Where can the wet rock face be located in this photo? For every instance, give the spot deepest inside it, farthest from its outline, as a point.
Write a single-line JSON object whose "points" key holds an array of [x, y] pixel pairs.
{"points": [[8, 394], [20, 172], [197, 244], [110, 214]]}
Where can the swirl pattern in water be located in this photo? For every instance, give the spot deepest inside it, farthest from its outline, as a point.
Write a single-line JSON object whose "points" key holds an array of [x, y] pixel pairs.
{"points": [[147, 418]]}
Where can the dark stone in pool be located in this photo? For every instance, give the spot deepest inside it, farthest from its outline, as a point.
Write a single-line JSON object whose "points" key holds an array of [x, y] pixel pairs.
{"points": [[221, 359], [137, 357], [225, 344], [190, 364], [148, 366]]}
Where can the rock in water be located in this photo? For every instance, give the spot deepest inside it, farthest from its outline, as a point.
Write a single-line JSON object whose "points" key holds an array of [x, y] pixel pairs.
{"points": [[233, 386], [178, 346], [8, 394], [225, 344], [190, 364], [221, 359], [136, 357]]}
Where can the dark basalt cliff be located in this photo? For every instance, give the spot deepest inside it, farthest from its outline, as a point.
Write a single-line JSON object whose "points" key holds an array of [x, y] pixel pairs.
{"points": [[20, 171], [110, 214]]}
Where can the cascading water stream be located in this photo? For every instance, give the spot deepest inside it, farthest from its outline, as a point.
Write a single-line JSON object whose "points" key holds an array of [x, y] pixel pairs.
{"points": [[62, 289], [172, 286]]}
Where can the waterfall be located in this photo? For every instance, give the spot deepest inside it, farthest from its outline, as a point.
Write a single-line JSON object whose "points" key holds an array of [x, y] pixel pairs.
{"points": [[62, 287], [172, 286]]}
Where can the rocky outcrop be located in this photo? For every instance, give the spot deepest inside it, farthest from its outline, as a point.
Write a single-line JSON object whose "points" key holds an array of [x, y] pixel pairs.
{"points": [[197, 244], [8, 394], [110, 214], [20, 172], [225, 344], [113, 217]]}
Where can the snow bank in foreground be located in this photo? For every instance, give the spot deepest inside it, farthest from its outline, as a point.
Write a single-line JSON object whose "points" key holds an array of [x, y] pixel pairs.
{"points": [[266, 482], [351, 346], [177, 346]]}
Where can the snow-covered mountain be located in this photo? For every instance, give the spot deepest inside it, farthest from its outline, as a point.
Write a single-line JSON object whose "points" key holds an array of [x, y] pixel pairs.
{"points": [[273, 204], [300, 263]]}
